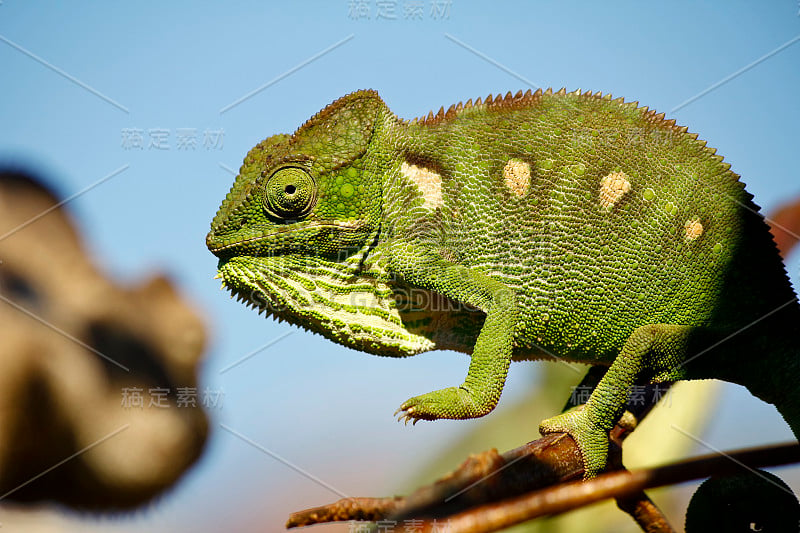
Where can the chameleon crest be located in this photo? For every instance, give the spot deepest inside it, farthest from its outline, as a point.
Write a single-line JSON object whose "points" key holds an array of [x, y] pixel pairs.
{"points": [[542, 225]]}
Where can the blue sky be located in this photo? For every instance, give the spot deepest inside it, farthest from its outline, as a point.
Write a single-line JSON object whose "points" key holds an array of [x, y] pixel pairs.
{"points": [[80, 82]]}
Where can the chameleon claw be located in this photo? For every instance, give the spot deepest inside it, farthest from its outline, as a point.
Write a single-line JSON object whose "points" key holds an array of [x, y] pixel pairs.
{"points": [[406, 414]]}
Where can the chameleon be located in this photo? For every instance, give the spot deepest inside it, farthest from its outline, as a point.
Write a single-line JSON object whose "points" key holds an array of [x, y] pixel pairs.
{"points": [[546, 225]]}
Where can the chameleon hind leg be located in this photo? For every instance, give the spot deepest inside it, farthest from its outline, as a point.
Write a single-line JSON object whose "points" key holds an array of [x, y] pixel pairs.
{"points": [[653, 353], [588, 384], [582, 390]]}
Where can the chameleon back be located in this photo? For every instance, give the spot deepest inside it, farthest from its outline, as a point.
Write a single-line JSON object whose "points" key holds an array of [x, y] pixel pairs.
{"points": [[600, 214]]}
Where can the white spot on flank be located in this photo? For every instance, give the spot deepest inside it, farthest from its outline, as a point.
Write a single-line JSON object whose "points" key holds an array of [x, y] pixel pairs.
{"points": [[517, 175], [612, 188], [427, 181], [693, 229]]}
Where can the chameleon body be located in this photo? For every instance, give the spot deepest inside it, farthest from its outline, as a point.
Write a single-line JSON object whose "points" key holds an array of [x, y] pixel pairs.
{"points": [[546, 225]]}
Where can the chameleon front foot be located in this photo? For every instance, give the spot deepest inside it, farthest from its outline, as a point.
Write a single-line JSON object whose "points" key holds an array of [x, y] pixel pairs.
{"points": [[452, 402], [591, 439]]}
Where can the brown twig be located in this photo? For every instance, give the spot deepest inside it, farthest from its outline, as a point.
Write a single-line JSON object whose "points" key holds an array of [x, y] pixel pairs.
{"points": [[639, 505], [486, 478], [645, 513], [474, 511], [620, 484], [367, 509]]}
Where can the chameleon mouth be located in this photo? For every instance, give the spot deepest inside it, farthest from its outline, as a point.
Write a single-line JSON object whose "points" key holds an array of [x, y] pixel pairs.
{"points": [[222, 249]]}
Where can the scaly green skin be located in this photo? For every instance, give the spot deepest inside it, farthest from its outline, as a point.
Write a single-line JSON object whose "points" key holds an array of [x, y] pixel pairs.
{"points": [[545, 225]]}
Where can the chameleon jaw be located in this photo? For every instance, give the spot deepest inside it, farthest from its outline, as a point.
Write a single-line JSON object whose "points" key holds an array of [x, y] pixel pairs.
{"points": [[360, 313]]}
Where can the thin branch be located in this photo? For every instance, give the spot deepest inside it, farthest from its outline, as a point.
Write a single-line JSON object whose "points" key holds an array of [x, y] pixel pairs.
{"points": [[482, 479], [620, 484], [645, 513], [366, 509], [482, 517]]}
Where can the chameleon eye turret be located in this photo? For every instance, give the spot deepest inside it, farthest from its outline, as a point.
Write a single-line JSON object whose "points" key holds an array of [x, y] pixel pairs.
{"points": [[290, 193]]}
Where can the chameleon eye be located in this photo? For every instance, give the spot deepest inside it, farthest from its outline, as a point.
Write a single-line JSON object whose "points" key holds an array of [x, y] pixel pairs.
{"points": [[290, 193]]}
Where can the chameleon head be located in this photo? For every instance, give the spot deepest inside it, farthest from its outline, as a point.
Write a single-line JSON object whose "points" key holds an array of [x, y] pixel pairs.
{"points": [[303, 213], [315, 192]]}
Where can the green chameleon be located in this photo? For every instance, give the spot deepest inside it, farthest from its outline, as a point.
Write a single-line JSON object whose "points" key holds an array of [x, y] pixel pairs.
{"points": [[561, 226]]}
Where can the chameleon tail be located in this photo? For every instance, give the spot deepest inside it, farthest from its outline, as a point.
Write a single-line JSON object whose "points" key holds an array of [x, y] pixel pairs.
{"points": [[751, 501]]}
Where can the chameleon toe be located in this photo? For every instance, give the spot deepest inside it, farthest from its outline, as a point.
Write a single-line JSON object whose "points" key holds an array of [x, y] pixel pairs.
{"points": [[591, 440]]}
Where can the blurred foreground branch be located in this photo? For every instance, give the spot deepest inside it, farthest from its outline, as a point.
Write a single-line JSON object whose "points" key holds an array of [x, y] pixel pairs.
{"points": [[91, 371]]}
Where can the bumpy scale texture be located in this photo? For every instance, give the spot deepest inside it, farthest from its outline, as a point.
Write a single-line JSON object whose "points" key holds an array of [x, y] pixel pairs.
{"points": [[542, 225]]}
